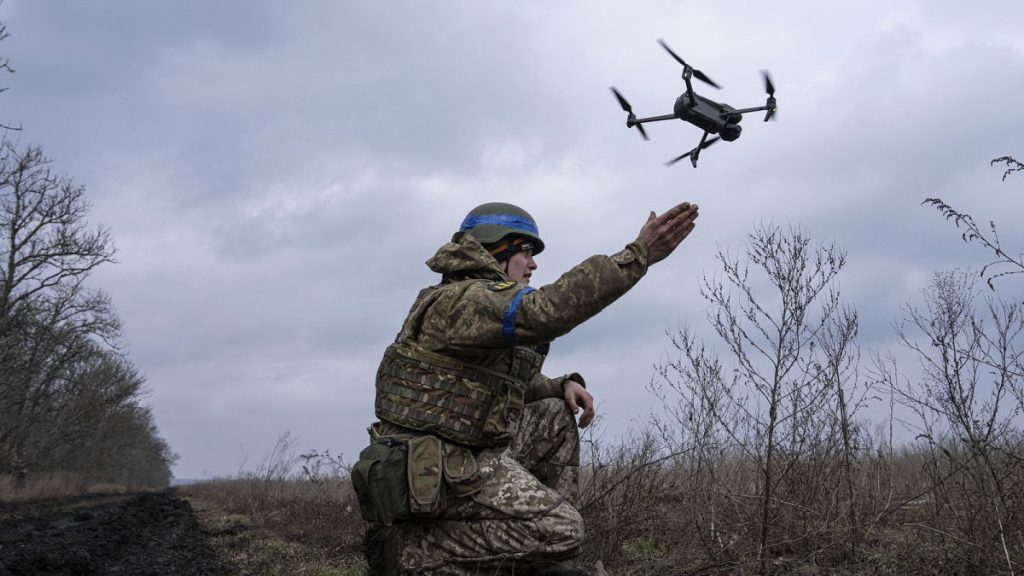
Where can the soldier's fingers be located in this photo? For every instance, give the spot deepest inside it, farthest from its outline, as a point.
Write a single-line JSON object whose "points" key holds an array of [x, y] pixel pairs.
{"points": [[673, 212], [680, 218], [683, 230], [675, 232], [588, 414], [684, 220], [587, 417], [680, 234], [688, 215]]}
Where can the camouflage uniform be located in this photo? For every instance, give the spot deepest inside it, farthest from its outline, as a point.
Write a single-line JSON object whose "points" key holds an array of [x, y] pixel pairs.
{"points": [[521, 517]]}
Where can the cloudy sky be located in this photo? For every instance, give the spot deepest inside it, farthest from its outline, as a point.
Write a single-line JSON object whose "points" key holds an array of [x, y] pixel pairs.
{"points": [[275, 174]]}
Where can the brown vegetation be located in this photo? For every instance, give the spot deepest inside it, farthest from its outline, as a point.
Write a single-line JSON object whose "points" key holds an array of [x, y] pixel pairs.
{"points": [[311, 506], [648, 512]]}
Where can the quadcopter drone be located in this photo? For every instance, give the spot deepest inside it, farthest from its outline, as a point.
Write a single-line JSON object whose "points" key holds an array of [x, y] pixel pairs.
{"points": [[704, 113]]}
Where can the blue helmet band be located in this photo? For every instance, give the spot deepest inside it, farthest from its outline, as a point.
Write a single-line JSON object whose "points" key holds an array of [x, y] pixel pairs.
{"points": [[508, 220]]}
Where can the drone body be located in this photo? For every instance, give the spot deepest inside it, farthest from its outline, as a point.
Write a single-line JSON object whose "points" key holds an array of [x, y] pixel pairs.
{"points": [[710, 116]]}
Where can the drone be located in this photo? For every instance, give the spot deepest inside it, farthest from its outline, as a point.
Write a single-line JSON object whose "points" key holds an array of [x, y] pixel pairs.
{"points": [[704, 113]]}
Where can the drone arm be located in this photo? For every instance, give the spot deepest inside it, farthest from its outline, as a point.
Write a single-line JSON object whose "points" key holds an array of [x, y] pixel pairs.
{"points": [[689, 86], [654, 119], [745, 110], [770, 107]]}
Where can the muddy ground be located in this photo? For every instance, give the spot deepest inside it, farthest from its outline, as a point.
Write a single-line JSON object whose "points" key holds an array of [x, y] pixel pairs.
{"points": [[136, 534]]}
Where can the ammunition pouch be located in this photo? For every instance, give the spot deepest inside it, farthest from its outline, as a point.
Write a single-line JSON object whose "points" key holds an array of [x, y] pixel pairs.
{"points": [[460, 403], [425, 473], [404, 476], [380, 480]]}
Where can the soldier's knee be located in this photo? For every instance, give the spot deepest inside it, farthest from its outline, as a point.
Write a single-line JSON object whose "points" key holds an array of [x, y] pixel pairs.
{"points": [[562, 530]]}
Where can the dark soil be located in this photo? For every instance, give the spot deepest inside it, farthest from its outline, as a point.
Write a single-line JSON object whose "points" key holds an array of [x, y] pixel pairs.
{"points": [[136, 534]]}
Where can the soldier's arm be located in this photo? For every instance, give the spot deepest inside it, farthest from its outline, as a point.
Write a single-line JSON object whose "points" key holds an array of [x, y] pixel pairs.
{"points": [[543, 387], [497, 315], [499, 318]]}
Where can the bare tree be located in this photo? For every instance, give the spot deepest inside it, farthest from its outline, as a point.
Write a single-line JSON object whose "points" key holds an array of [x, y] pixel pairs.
{"points": [[788, 405], [838, 374], [963, 401], [5, 66], [48, 249], [69, 402], [48, 317]]}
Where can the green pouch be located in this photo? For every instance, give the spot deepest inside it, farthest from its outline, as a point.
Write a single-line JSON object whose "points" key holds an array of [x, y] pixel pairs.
{"points": [[461, 471], [426, 476], [380, 479]]}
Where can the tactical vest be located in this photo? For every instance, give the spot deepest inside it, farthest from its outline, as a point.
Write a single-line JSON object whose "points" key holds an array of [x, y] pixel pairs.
{"points": [[458, 402]]}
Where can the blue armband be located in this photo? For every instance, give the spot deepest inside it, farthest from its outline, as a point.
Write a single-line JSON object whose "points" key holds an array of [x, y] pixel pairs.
{"points": [[508, 328]]}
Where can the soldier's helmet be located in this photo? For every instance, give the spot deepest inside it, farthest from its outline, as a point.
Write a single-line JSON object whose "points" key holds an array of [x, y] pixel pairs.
{"points": [[503, 229]]}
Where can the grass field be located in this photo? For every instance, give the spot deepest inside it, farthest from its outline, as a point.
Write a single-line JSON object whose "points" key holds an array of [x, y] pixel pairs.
{"points": [[643, 519]]}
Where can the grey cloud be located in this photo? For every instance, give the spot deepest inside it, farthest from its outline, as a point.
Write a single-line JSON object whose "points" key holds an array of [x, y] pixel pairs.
{"points": [[275, 178]]}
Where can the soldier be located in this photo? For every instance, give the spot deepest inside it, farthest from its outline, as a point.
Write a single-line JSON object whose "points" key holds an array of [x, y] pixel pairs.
{"points": [[473, 466]]}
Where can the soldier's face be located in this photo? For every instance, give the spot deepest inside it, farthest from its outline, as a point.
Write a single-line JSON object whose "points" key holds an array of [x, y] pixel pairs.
{"points": [[521, 267]]}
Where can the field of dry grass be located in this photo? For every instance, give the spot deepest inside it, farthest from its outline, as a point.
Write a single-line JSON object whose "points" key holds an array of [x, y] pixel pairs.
{"points": [[649, 514]]}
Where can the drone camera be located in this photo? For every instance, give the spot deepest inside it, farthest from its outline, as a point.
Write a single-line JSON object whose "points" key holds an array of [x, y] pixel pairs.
{"points": [[730, 132]]}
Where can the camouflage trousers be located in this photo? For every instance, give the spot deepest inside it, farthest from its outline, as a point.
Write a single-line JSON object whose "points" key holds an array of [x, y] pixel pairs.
{"points": [[522, 519]]}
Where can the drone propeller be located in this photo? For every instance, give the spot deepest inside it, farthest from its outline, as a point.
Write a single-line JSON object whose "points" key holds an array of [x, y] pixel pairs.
{"points": [[696, 73], [631, 119], [770, 89], [699, 147]]}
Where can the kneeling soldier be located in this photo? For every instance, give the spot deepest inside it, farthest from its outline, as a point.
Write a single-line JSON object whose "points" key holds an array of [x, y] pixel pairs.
{"points": [[473, 466]]}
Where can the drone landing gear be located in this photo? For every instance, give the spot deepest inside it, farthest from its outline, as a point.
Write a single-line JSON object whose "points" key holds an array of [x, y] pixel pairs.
{"points": [[695, 153]]}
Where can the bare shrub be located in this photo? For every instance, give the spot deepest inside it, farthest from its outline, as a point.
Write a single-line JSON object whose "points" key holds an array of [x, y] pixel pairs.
{"points": [[624, 493], [772, 443], [966, 417]]}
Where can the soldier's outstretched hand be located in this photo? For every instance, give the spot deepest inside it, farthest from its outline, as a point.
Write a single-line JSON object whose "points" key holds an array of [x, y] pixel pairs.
{"points": [[663, 233]]}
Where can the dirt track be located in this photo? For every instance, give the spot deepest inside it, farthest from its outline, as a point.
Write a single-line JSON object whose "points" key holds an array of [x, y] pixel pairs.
{"points": [[138, 534]]}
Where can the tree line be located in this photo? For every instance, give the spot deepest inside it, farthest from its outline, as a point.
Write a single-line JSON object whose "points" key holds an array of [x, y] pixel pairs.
{"points": [[70, 399]]}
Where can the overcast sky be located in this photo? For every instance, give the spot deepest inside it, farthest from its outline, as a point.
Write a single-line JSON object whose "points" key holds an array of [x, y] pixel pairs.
{"points": [[275, 174]]}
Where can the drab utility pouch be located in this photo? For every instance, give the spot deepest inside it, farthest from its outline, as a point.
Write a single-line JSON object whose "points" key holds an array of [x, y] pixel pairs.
{"points": [[461, 471], [400, 477], [426, 476], [381, 482]]}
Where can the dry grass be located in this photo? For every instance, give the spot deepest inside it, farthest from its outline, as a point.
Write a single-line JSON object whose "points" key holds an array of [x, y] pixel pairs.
{"points": [[318, 521], [648, 512], [252, 548], [686, 516]]}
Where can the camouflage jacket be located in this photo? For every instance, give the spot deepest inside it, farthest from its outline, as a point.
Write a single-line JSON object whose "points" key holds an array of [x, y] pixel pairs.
{"points": [[477, 315]]}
